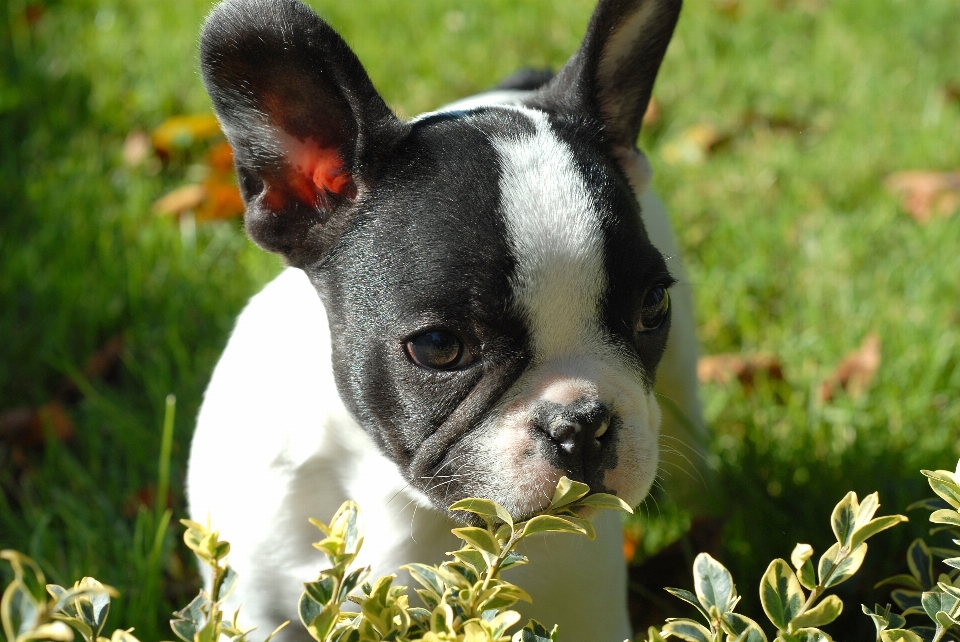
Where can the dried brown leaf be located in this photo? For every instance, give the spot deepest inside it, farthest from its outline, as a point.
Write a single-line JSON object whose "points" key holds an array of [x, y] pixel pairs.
{"points": [[952, 91], [105, 359], [926, 194], [724, 368], [33, 12], [136, 147], [180, 200], [855, 371], [220, 158], [27, 427], [180, 132], [221, 200], [100, 365], [694, 145], [15, 421], [730, 9], [652, 115], [145, 497]]}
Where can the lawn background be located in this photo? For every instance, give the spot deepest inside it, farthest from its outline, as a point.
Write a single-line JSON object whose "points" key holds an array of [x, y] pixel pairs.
{"points": [[793, 248]]}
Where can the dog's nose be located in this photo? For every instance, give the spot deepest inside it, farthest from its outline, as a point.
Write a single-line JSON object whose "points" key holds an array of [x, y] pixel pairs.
{"points": [[574, 427]]}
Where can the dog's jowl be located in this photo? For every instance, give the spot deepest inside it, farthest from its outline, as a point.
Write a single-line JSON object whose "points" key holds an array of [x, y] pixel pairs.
{"points": [[478, 303]]}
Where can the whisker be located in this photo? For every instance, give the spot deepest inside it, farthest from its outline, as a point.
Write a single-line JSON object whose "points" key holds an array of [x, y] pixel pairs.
{"points": [[405, 487]]}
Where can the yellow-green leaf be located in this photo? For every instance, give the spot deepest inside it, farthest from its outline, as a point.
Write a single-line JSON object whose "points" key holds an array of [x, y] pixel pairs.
{"points": [[605, 501], [946, 516], [809, 635], [740, 628], [873, 527], [688, 630], [831, 576], [567, 492], [780, 593], [713, 584], [551, 524], [323, 623], [801, 553], [899, 635], [479, 538], [844, 518], [823, 613], [483, 507]]}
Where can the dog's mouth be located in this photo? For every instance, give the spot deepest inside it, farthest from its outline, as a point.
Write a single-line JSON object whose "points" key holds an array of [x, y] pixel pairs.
{"points": [[523, 477]]}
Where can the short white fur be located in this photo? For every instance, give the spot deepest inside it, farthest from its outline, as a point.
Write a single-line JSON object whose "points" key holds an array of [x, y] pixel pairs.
{"points": [[557, 242]]}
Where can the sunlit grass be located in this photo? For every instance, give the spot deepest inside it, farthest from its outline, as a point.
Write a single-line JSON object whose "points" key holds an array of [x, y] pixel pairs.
{"points": [[792, 245]]}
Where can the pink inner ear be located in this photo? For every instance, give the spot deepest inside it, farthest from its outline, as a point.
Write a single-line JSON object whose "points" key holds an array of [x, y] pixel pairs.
{"points": [[322, 168]]}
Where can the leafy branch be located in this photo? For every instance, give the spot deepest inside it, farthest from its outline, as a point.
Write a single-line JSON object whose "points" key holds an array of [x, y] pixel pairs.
{"points": [[464, 598], [796, 614], [922, 592]]}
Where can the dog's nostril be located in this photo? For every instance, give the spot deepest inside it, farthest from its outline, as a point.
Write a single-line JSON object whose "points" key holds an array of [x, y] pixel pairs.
{"points": [[572, 427], [602, 429], [564, 432]]}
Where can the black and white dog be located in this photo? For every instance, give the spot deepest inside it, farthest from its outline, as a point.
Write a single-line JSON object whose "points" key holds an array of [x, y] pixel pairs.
{"points": [[493, 311]]}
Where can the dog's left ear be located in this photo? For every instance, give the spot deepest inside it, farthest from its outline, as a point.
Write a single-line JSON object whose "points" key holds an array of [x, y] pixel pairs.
{"points": [[305, 122], [611, 76]]}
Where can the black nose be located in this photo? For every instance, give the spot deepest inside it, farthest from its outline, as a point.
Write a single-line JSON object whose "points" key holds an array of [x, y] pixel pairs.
{"points": [[575, 429]]}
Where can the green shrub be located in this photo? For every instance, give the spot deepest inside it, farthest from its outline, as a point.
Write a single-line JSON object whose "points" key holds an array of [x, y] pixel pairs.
{"points": [[796, 614], [465, 599]]}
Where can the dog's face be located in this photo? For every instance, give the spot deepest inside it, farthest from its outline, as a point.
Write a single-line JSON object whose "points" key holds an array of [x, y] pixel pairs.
{"points": [[497, 311]]}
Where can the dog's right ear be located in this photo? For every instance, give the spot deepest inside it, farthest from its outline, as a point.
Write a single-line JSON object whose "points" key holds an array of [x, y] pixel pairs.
{"points": [[304, 120], [611, 76]]}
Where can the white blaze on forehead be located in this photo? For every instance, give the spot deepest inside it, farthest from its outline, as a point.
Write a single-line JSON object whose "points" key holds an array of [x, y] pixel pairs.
{"points": [[554, 230]]}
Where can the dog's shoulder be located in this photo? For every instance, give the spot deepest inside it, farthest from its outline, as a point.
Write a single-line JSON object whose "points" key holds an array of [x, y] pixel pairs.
{"points": [[280, 346], [272, 397]]}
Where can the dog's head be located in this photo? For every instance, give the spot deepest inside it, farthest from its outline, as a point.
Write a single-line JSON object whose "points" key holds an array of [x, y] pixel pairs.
{"points": [[496, 308]]}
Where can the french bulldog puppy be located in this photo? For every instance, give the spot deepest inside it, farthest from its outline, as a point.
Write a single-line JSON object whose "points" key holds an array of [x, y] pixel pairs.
{"points": [[478, 302]]}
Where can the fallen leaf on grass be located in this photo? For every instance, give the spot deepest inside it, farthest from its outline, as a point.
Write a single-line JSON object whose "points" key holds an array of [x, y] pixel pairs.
{"points": [[105, 359], [694, 145], [146, 498], [221, 201], [724, 368], [925, 194], [33, 12], [220, 158], [952, 91], [777, 122], [180, 132], [15, 421], [26, 427], [136, 147], [855, 371], [216, 198], [180, 200], [730, 9], [101, 364], [807, 6], [652, 114]]}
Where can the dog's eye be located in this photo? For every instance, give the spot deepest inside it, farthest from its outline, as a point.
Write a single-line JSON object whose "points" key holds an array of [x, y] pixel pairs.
{"points": [[656, 304], [436, 349]]}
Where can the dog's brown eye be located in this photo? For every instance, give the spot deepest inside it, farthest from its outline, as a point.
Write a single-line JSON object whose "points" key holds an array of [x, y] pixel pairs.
{"points": [[437, 350], [656, 304]]}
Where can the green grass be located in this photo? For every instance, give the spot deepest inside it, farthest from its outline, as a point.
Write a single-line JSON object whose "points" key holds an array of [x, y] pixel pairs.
{"points": [[793, 248]]}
